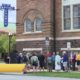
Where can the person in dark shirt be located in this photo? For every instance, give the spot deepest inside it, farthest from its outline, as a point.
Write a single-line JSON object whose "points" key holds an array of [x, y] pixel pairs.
{"points": [[41, 61], [73, 62], [7, 58], [53, 60], [14, 56], [65, 61]]}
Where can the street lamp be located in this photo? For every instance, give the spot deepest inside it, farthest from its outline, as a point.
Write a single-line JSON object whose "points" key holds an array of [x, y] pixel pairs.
{"points": [[10, 36]]}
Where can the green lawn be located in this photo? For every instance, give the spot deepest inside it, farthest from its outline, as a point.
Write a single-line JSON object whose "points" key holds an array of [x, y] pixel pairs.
{"points": [[56, 74]]}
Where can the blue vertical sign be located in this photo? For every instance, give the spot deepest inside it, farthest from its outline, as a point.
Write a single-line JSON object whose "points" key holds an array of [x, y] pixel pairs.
{"points": [[6, 8], [5, 17]]}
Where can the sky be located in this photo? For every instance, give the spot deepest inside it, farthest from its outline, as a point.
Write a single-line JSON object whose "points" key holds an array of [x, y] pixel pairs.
{"points": [[11, 15]]}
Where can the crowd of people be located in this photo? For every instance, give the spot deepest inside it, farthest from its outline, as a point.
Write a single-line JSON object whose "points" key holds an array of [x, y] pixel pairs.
{"points": [[64, 60]]}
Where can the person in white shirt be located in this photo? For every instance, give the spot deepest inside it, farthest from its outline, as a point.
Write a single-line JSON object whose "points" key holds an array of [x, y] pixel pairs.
{"points": [[57, 62]]}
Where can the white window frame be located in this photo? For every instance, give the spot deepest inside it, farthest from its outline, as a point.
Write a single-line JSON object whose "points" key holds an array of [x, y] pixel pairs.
{"points": [[35, 25], [31, 32], [69, 3], [25, 26]]}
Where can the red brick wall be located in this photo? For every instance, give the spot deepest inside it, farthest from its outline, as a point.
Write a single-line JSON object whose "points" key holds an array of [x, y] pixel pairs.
{"points": [[31, 8]]}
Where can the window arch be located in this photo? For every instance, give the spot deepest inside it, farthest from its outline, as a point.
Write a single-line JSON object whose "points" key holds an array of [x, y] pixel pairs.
{"points": [[37, 24], [27, 25]]}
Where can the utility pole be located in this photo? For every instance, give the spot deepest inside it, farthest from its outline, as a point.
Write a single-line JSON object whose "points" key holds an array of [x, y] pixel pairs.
{"points": [[53, 23]]}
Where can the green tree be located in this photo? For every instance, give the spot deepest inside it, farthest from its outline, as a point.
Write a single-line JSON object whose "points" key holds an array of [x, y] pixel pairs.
{"points": [[2, 39], [4, 43]]}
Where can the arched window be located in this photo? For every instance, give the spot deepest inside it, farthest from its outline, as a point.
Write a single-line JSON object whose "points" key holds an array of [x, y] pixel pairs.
{"points": [[27, 25], [37, 24]]}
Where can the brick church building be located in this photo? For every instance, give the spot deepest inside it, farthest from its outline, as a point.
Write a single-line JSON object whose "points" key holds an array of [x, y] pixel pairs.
{"points": [[57, 21]]}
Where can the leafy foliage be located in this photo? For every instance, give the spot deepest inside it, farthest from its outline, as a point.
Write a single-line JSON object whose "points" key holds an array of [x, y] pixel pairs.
{"points": [[4, 43]]}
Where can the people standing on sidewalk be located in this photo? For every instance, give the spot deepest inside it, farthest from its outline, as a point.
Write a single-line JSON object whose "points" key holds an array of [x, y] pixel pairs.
{"points": [[62, 67], [57, 62], [34, 62], [14, 55], [65, 61], [74, 62], [25, 58], [7, 58], [78, 60], [49, 62], [41, 58], [53, 60], [27, 61], [70, 57], [20, 58]]}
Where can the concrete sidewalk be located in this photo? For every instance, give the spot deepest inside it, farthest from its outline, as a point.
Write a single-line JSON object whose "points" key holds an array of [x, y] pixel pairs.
{"points": [[25, 77], [31, 70]]}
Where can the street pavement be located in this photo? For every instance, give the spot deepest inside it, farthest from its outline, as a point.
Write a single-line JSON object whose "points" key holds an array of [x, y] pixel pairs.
{"points": [[26, 77]]}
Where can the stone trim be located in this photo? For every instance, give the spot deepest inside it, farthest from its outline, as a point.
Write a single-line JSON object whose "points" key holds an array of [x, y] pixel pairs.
{"points": [[67, 38], [33, 39], [58, 38]]}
